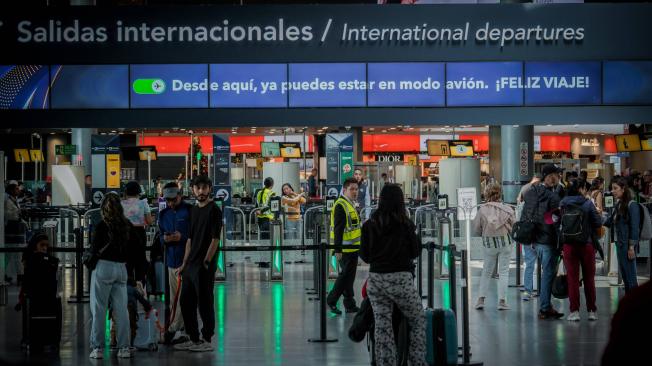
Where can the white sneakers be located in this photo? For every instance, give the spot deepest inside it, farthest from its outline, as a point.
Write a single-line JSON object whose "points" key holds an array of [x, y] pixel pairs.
{"points": [[200, 346], [96, 354], [184, 346], [502, 305], [125, 353], [574, 316], [593, 316], [480, 304]]}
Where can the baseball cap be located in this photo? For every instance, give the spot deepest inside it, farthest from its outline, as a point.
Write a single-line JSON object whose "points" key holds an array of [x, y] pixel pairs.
{"points": [[171, 192], [550, 169]]}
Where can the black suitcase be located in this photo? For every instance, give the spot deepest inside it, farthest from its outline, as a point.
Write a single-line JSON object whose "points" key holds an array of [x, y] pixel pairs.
{"points": [[42, 321], [401, 339]]}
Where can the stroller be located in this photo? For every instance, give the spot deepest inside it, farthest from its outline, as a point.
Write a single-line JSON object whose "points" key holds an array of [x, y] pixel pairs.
{"points": [[363, 327]]}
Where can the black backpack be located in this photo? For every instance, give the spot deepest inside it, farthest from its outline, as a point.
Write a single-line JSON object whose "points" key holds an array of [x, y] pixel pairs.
{"points": [[575, 225]]}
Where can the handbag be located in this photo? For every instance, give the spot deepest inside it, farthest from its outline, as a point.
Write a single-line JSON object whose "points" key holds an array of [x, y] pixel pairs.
{"points": [[560, 283], [90, 257], [523, 232]]}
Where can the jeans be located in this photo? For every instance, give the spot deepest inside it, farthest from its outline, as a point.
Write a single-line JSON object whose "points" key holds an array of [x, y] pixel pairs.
{"points": [[490, 254], [292, 229], [627, 267], [548, 259], [109, 283], [530, 257]]}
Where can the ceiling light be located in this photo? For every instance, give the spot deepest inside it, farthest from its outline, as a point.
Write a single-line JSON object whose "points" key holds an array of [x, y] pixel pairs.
{"points": [[134, 131], [549, 125], [167, 132], [487, 126], [371, 129], [384, 131], [576, 126], [114, 131]]}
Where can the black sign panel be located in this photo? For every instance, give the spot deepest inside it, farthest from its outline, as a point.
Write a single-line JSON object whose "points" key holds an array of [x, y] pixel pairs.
{"points": [[313, 33]]}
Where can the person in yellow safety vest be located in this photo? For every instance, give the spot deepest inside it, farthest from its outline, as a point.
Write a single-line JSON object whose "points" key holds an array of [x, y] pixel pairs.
{"points": [[345, 230], [264, 214]]}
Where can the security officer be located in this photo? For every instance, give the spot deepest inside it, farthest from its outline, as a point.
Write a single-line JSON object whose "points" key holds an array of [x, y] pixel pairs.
{"points": [[264, 214], [345, 230]]}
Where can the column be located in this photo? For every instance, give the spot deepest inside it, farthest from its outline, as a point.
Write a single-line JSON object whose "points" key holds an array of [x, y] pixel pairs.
{"points": [[517, 159], [495, 158], [357, 143], [82, 138]]}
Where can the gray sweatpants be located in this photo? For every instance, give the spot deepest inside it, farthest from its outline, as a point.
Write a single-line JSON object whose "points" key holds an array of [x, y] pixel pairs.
{"points": [[385, 290]]}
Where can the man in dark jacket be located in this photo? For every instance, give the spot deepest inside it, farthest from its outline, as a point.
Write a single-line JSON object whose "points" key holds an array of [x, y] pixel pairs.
{"points": [[541, 202]]}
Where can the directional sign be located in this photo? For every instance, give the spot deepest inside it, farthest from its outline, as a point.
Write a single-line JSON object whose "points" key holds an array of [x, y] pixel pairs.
{"points": [[524, 157], [97, 197], [65, 149]]}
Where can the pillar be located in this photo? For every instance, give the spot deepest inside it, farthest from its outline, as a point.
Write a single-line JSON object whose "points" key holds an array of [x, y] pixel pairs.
{"points": [[495, 159], [357, 144], [82, 138], [517, 159]]}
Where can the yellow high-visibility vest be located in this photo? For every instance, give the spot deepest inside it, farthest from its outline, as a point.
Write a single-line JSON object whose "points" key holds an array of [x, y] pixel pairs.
{"points": [[352, 231], [262, 199]]}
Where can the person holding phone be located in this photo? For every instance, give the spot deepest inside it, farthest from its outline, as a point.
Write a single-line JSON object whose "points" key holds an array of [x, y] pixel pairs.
{"points": [[198, 268], [174, 223]]}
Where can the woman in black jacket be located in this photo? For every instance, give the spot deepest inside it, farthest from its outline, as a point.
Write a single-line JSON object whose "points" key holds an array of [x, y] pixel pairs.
{"points": [[389, 244]]}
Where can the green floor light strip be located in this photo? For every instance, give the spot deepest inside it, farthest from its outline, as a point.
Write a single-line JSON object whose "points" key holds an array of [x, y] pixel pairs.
{"points": [[220, 308], [221, 265], [277, 303]]}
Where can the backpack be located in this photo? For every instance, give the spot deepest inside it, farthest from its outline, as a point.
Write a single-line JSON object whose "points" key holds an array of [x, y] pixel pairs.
{"points": [[575, 225], [645, 225]]}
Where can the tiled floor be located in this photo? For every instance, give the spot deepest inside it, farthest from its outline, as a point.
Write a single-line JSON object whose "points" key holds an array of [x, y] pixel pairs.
{"points": [[263, 323]]}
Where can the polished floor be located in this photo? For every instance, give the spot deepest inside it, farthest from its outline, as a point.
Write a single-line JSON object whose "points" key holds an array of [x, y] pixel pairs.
{"points": [[268, 323]]}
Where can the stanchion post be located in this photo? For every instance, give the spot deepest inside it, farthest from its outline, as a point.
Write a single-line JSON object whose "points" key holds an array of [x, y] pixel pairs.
{"points": [[317, 269], [419, 263], [166, 289], [518, 265], [466, 343], [79, 298], [323, 331], [452, 279], [431, 275]]}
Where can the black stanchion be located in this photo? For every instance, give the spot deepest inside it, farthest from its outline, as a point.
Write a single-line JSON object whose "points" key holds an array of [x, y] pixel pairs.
{"points": [[452, 277], [166, 270], [420, 263], [538, 274], [323, 336], [431, 275], [317, 265], [518, 266], [466, 344], [79, 297]]}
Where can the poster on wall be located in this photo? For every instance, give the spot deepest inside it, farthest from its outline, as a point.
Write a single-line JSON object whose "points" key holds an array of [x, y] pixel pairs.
{"points": [[113, 171]]}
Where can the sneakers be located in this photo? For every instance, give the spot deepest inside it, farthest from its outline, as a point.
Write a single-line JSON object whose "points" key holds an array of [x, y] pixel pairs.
{"points": [[574, 316], [201, 346], [550, 314], [480, 304], [526, 296], [502, 305], [125, 353], [168, 337], [593, 316], [334, 309], [96, 354], [184, 346]]}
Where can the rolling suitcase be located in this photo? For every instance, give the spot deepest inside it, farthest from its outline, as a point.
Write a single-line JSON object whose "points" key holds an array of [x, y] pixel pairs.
{"points": [[148, 331], [42, 321], [441, 337], [401, 339]]}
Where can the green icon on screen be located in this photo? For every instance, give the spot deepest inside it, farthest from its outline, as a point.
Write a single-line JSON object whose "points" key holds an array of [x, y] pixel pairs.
{"points": [[149, 86]]}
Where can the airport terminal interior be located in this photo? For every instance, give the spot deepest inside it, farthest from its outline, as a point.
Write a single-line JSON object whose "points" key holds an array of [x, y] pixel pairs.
{"points": [[325, 183]]}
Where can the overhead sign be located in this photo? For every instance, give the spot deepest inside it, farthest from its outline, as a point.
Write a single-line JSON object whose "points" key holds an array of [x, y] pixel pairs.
{"points": [[646, 142], [628, 143], [36, 155], [438, 147], [21, 155], [65, 149], [461, 148]]}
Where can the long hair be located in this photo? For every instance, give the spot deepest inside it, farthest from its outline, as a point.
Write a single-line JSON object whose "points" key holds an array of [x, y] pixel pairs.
{"points": [[493, 192], [114, 217], [597, 182], [286, 185], [391, 209], [623, 203]]}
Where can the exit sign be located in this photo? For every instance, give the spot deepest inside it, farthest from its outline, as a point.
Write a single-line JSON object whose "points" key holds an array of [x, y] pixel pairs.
{"points": [[65, 149]]}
